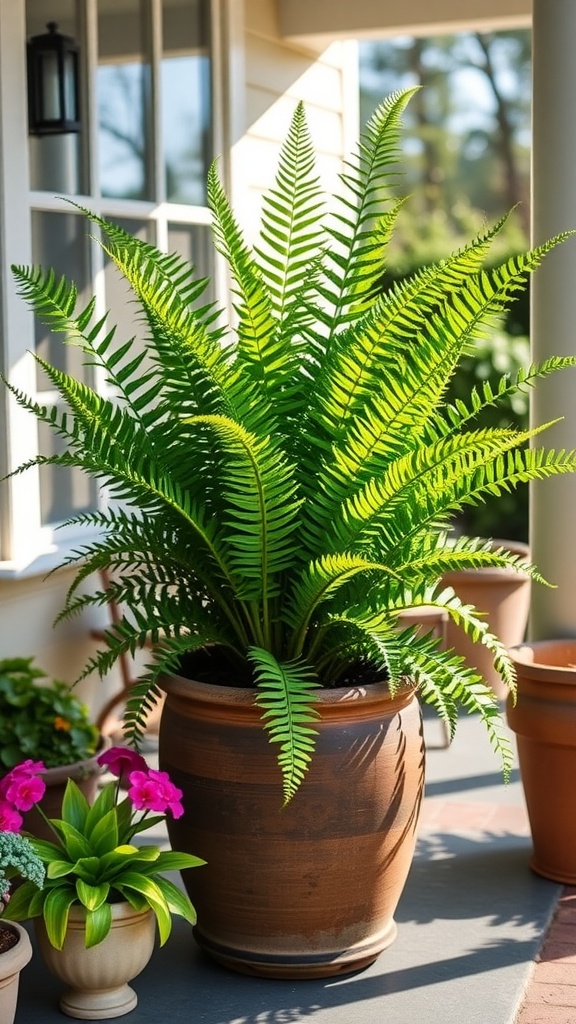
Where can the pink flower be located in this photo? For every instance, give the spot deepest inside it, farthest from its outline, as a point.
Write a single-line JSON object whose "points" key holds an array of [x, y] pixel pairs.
{"points": [[153, 791], [27, 768], [23, 791], [10, 819], [22, 787], [121, 761]]}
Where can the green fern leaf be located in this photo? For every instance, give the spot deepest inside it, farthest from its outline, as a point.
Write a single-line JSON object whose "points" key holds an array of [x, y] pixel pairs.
{"points": [[286, 697]]}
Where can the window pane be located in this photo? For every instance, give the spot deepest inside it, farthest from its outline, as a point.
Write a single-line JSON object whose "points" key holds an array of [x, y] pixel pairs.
{"points": [[56, 160], [124, 100], [63, 492], [186, 99], [59, 241], [194, 243]]}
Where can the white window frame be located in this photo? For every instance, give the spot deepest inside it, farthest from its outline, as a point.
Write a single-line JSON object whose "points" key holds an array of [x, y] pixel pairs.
{"points": [[27, 547]]}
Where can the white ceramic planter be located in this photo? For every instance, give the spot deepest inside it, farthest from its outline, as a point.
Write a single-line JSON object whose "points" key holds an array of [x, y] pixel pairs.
{"points": [[98, 977]]}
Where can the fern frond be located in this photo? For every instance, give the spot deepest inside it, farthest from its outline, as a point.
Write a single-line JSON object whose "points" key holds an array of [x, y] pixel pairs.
{"points": [[360, 232], [458, 415], [286, 696], [446, 682], [292, 240], [414, 377], [428, 483], [262, 506], [363, 360], [195, 368], [320, 582], [146, 690]]}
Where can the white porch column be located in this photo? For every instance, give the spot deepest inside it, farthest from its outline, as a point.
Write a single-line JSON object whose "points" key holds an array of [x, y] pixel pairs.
{"points": [[553, 502]]}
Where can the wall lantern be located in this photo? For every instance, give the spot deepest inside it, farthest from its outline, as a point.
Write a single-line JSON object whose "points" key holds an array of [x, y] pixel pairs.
{"points": [[53, 84]]}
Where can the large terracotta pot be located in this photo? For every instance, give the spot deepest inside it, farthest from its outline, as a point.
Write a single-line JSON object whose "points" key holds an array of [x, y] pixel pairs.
{"points": [[309, 889], [98, 977], [544, 720], [11, 963], [504, 596]]}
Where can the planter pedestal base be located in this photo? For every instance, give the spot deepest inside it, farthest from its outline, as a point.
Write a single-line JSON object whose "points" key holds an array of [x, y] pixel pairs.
{"points": [[94, 1005]]}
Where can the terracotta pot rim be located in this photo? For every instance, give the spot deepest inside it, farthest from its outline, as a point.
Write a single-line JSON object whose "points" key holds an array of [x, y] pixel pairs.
{"points": [[546, 657], [76, 769], [214, 693], [490, 573], [13, 960]]}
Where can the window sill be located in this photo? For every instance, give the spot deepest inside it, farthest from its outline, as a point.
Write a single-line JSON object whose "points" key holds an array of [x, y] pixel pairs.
{"points": [[45, 562]]}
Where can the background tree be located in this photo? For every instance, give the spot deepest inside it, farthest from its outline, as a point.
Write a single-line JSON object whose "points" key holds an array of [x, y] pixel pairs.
{"points": [[467, 146], [466, 157]]}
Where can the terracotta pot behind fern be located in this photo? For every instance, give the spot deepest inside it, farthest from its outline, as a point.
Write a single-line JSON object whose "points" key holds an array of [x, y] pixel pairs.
{"points": [[309, 889], [503, 595], [544, 720]]}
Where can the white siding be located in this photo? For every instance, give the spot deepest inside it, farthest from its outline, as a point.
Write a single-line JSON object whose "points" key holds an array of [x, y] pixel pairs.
{"points": [[277, 75]]}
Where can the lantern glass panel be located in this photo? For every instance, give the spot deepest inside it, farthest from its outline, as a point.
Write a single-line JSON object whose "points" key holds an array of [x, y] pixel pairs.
{"points": [[49, 93], [70, 76]]}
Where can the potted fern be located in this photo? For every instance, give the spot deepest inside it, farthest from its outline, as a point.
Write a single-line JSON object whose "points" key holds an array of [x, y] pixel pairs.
{"points": [[282, 491]]}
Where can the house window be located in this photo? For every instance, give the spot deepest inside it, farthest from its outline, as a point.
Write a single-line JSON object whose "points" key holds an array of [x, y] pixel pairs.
{"points": [[141, 159]]}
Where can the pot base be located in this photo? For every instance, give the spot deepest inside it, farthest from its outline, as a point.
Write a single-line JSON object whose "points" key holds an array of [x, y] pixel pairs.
{"points": [[98, 1005], [296, 965], [552, 873]]}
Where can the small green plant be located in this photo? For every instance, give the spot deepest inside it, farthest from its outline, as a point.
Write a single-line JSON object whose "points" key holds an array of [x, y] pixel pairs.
{"points": [[92, 861], [45, 722]]}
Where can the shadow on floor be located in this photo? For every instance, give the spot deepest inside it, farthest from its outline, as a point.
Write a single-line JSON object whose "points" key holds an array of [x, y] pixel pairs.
{"points": [[471, 917]]}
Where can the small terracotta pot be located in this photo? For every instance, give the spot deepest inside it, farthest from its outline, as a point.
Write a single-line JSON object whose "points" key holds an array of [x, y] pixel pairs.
{"points": [[504, 597], [544, 720], [11, 963], [98, 977], [309, 889]]}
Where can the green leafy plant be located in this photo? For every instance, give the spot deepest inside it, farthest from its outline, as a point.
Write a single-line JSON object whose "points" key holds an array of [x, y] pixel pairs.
{"points": [[93, 861], [46, 722], [284, 489]]}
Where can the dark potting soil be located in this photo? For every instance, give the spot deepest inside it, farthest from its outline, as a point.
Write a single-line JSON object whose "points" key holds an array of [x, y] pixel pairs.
{"points": [[8, 938], [211, 665]]}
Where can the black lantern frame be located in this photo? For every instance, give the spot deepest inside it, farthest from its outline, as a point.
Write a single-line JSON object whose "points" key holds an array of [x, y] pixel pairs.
{"points": [[53, 83]]}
